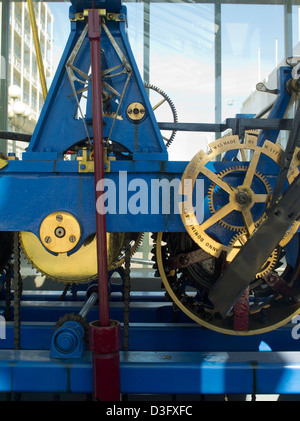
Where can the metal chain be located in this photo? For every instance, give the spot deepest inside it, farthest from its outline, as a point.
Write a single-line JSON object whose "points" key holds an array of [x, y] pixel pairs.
{"points": [[126, 293], [65, 291], [8, 293], [17, 282]]}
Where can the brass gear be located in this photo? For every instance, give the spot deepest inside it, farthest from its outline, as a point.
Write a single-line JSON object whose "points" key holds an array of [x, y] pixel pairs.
{"points": [[134, 244], [198, 165], [166, 99], [268, 308], [79, 267], [202, 312], [222, 174]]}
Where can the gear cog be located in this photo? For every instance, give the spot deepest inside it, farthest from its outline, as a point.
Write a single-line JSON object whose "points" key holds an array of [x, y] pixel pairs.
{"points": [[81, 266], [166, 98], [237, 202], [215, 194]]}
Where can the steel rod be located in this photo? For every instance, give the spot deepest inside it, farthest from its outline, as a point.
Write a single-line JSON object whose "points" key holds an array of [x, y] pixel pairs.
{"points": [[88, 305], [94, 37], [18, 137], [37, 48]]}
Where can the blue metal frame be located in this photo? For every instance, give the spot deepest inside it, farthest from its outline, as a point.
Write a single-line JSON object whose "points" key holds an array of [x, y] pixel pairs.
{"points": [[147, 333], [61, 102], [184, 359], [166, 373]]}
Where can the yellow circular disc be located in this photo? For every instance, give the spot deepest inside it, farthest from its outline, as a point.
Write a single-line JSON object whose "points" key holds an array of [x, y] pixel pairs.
{"points": [[80, 266], [136, 111], [60, 232]]}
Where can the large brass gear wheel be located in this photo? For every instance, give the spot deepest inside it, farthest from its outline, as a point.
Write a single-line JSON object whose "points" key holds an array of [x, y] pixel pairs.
{"points": [[189, 287], [79, 267], [240, 199], [268, 309]]}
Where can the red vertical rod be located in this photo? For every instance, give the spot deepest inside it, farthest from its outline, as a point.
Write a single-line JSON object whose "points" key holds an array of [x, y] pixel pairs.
{"points": [[105, 334], [95, 37]]}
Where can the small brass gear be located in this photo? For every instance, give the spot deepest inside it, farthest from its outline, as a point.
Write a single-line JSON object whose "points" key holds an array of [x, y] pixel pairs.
{"points": [[165, 99], [223, 174], [240, 239], [134, 244]]}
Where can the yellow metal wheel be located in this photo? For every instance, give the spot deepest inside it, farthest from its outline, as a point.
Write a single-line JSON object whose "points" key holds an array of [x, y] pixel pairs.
{"points": [[78, 267]]}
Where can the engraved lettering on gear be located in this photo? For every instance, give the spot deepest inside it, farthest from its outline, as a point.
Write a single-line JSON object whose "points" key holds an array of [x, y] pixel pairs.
{"points": [[237, 200]]}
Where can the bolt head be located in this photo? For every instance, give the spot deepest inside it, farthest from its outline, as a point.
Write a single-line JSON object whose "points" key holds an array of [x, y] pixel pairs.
{"points": [[72, 238], [60, 232], [242, 198]]}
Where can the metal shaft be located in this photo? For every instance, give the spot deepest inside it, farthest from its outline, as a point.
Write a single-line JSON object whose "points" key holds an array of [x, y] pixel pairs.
{"points": [[89, 304], [94, 37]]}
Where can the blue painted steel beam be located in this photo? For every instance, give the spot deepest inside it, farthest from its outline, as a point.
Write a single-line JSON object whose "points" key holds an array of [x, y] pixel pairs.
{"points": [[165, 337], [58, 183], [166, 372]]}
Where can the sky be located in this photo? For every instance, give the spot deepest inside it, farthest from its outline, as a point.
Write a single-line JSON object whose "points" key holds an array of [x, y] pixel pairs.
{"points": [[182, 57]]}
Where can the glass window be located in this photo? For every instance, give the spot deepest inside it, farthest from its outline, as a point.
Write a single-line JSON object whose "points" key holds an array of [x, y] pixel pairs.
{"points": [[135, 31], [182, 65], [252, 47]]}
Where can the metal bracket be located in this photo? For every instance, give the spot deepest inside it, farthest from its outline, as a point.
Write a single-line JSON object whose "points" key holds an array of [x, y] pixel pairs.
{"points": [[262, 88], [81, 16], [86, 161]]}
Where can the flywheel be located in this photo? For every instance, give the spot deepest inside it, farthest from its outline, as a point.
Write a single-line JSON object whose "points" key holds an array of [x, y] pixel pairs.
{"points": [[236, 196]]}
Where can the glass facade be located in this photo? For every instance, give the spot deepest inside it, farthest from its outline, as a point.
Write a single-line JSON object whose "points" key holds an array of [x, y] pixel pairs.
{"points": [[208, 57]]}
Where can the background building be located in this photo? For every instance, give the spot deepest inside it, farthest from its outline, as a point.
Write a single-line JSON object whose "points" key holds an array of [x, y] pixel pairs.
{"points": [[25, 98]]}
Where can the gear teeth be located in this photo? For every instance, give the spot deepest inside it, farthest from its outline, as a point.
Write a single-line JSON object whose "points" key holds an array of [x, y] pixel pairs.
{"points": [[48, 276], [253, 132], [210, 193], [223, 173], [172, 106], [134, 248]]}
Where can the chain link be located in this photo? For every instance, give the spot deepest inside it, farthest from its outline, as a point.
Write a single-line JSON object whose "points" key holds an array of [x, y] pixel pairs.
{"points": [[18, 286], [127, 287], [8, 293]]}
